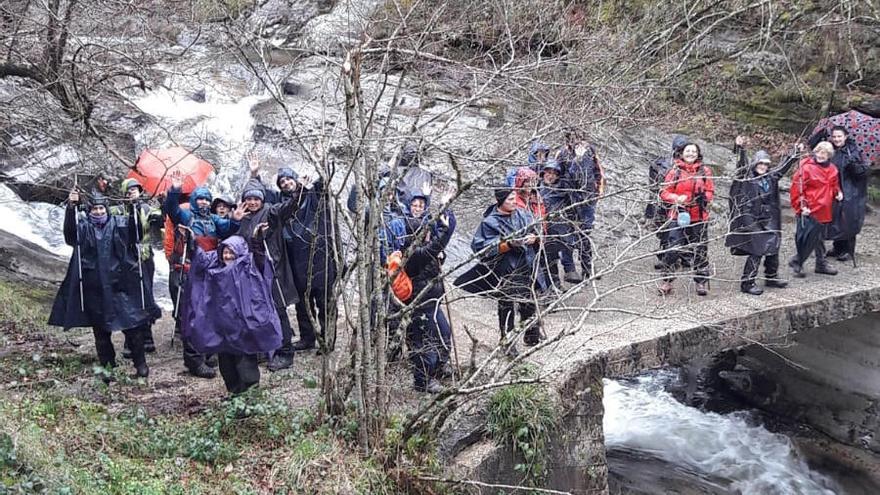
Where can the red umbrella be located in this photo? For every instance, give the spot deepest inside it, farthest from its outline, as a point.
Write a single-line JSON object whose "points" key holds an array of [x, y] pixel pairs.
{"points": [[863, 129], [153, 169]]}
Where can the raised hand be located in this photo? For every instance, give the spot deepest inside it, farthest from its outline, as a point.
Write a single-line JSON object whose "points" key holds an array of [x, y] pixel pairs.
{"points": [[253, 164], [176, 179], [260, 229], [740, 141], [239, 211], [73, 197]]}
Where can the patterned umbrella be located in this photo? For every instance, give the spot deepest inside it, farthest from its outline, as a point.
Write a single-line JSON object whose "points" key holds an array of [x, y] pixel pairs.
{"points": [[863, 129], [154, 168]]}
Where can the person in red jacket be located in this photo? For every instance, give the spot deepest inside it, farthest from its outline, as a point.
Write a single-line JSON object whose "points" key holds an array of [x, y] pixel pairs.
{"points": [[688, 189], [814, 188]]}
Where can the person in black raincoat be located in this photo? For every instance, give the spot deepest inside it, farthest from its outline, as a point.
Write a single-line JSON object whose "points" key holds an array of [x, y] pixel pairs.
{"points": [[102, 288], [849, 213], [556, 201], [756, 216], [311, 246], [422, 245], [276, 216], [657, 211], [585, 182], [507, 243]]}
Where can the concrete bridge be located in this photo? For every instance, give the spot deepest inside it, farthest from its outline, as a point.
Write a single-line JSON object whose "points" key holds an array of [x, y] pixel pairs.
{"points": [[632, 330]]}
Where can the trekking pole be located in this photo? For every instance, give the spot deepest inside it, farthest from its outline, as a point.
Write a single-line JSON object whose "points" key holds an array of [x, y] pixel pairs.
{"points": [[277, 282], [79, 267], [180, 282], [452, 337], [137, 233]]}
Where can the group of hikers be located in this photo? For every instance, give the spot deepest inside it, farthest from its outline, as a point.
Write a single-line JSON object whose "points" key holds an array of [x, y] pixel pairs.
{"points": [[236, 267]]}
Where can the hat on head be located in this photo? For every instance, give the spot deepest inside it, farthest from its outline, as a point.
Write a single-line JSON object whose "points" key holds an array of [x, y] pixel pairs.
{"points": [[285, 172], [552, 164], [253, 189], [253, 193], [128, 184]]}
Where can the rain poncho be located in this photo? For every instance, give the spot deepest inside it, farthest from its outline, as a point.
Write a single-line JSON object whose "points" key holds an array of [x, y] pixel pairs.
{"points": [[229, 308]]}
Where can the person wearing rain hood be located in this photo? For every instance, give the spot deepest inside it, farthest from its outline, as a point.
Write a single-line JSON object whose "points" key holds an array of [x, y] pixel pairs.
{"points": [[556, 201], [133, 192], [849, 213], [585, 181], [688, 189], [756, 217], [102, 288], [814, 187], [276, 217], [420, 243], [230, 310], [539, 152], [657, 211], [193, 227], [222, 206], [507, 242]]}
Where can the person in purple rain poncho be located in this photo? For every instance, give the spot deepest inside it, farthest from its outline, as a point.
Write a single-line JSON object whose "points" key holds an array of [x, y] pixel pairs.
{"points": [[230, 310]]}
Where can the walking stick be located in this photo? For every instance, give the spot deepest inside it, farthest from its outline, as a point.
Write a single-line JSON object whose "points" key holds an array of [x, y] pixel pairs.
{"points": [[79, 267], [137, 233], [275, 276], [452, 337], [180, 282]]}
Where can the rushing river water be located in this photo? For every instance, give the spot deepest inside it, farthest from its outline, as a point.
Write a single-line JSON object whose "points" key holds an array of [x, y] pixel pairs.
{"points": [[658, 445]]}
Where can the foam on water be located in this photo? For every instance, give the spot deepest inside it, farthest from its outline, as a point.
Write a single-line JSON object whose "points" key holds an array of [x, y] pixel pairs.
{"points": [[40, 223], [640, 415], [224, 123]]}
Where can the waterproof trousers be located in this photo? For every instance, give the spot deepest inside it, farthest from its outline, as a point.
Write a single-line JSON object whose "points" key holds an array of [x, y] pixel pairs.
{"points": [[239, 372]]}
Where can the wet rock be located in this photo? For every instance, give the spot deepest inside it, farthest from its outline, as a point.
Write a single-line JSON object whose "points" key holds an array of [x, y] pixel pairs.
{"points": [[281, 20], [827, 377], [26, 259], [292, 88], [198, 96]]}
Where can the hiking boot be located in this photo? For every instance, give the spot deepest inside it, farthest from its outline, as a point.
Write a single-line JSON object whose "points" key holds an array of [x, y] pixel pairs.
{"points": [[702, 288], [796, 268], [142, 370], [573, 277], [776, 283], [665, 288], [433, 387], [752, 289], [512, 352], [445, 372], [211, 360], [825, 269], [531, 340], [203, 371], [280, 362], [834, 253], [844, 257], [302, 345]]}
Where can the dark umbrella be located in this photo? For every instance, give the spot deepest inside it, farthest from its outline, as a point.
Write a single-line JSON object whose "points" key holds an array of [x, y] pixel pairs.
{"points": [[862, 128]]}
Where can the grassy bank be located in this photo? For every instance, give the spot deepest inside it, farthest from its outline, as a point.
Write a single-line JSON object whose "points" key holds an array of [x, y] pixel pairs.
{"points": [[62, 430]]}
